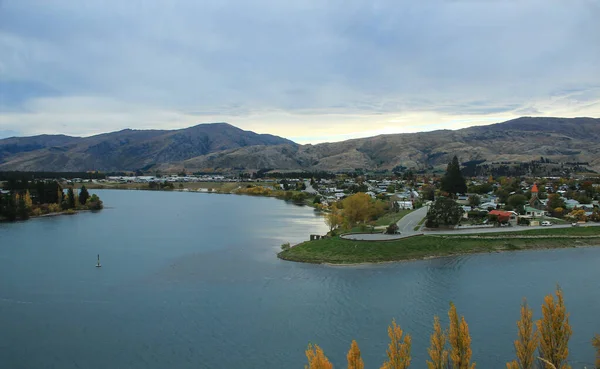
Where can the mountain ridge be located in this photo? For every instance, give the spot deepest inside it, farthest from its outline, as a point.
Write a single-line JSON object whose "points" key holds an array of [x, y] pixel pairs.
{"points": [[225, 147]]}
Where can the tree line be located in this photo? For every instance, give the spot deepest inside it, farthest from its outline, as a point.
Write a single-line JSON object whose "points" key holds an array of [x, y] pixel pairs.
{"points": [[30, 176], [21, 199], [543, 343]]}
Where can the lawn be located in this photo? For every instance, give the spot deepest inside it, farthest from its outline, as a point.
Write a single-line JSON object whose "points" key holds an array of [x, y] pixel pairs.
{"points": [[339, 251], [388, 218]]}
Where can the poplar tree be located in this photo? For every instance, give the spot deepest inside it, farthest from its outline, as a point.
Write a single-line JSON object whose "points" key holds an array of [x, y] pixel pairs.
{"points": [[527, 342], [354, 359], [437, 351], [70, 198], [316, 358], [460, 341], [555, 332], [84, 195], [596, 344], [398, 350]]}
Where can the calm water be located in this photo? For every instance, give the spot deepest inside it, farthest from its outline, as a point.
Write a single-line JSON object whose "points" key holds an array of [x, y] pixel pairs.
{"points": [[191, 281]]}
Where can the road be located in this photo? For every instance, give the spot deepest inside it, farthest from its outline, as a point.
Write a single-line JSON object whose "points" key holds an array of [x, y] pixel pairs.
{"points": [[407, 224]]}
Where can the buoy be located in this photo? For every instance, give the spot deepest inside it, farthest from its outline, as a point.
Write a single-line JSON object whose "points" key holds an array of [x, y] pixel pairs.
{"points": [[98, 265]]}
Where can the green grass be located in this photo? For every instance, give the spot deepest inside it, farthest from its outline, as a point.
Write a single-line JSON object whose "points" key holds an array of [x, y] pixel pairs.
{"points": [[388, 218], [572, 231], [339, 251], [418, 226]]}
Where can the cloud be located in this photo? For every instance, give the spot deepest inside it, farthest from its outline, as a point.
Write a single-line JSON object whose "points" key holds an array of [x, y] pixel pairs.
{"points": [[312, 70]]}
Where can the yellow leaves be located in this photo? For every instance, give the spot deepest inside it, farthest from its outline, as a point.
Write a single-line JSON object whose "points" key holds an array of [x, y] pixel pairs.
{"points": [[27, 199], [437, 351], [333, 219], [460, 341], [398, 350], [316, 358], [596, 344], [354, 359], [527, 342], [554, 332]]}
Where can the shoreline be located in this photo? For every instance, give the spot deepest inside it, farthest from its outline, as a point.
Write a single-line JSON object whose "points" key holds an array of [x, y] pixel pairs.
{"points": [[339, 252]]}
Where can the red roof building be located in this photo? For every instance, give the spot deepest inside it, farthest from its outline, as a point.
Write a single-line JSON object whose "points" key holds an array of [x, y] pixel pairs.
{"points": [[504, 216]]}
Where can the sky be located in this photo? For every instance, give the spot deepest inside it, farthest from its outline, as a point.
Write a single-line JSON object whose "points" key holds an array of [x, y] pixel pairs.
{"points": [[310, 71]]}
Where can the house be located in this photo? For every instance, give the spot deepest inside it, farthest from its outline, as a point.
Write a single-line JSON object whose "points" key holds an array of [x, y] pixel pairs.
{"points": [[509, 217], [534, 213], [405, 204], [570, 204]]}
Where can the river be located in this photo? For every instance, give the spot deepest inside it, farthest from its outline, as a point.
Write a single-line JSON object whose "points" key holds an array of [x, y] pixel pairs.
{"points": [[191, 280]]}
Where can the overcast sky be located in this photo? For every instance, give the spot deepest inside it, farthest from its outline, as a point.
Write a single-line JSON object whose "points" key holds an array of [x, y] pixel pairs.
{"points": [[311, 71]]}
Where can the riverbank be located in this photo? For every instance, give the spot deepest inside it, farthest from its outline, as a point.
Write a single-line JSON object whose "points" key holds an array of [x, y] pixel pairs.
{"points": [[336, 250]]}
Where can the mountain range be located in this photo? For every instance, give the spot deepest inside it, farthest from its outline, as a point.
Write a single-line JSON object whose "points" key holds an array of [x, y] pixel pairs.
{"points": [[221, 146]]}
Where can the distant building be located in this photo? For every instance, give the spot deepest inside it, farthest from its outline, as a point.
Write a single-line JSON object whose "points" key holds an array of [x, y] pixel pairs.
{"points": [[535, 202], [509, 217]]}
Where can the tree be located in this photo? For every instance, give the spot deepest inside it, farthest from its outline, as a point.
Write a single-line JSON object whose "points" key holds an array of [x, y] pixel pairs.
{"points": [[357, 208], [398, 351], [527, 342], [437, 351], [453, 181], [22, 209], [84, 195], [94, 203], [428, 193], [333, 219], [474, 200], [71, 198], [555, 201], [517, 201], [354, 359], [460, 341], [316, 358], [596, 344], [444, 211], [555, 331]]}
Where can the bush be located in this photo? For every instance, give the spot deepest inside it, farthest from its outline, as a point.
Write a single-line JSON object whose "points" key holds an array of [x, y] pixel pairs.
{"points": [[285, 246], [392, 229]]}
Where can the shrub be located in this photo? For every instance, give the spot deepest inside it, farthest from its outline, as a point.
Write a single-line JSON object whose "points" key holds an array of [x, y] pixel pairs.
{"points": [[285, 246], [392, 229]]}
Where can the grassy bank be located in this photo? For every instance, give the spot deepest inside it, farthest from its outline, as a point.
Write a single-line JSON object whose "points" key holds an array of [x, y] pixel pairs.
{"points": [[339, 251]]}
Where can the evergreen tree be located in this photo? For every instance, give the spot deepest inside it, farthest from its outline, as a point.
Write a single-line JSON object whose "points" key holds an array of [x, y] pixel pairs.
{"points": [[453, 181], [83, 195], [70, 198], [10, 209]]}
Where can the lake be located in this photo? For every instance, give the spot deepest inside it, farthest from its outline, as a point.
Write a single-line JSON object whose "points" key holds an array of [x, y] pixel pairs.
{"points": [[191, 280]]}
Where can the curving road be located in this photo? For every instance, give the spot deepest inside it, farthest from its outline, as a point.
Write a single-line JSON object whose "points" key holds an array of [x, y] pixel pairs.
{"points": [[407, 224]]}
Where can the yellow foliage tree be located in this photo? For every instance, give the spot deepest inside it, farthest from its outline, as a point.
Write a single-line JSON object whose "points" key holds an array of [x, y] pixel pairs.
{"points": [[460, 341], [354, 359], [357, 208], [398, 351], [554, 332], [596, 344], [527, 343], [27, 199], [437, 351], [316, 358], [333, 219]]}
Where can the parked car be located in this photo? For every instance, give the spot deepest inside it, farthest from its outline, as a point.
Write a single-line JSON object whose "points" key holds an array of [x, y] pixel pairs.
{"points": [[574, 224], [546, 223]]}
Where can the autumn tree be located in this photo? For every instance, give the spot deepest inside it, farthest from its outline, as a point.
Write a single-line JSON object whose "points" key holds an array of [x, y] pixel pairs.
{"points": [[316, 358], [354, 359], [453, 181], [527, 341], [554, 332], [398, 351], [357, 208], [460, 341], [437, 351], [596, 344], [333, 219]]}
